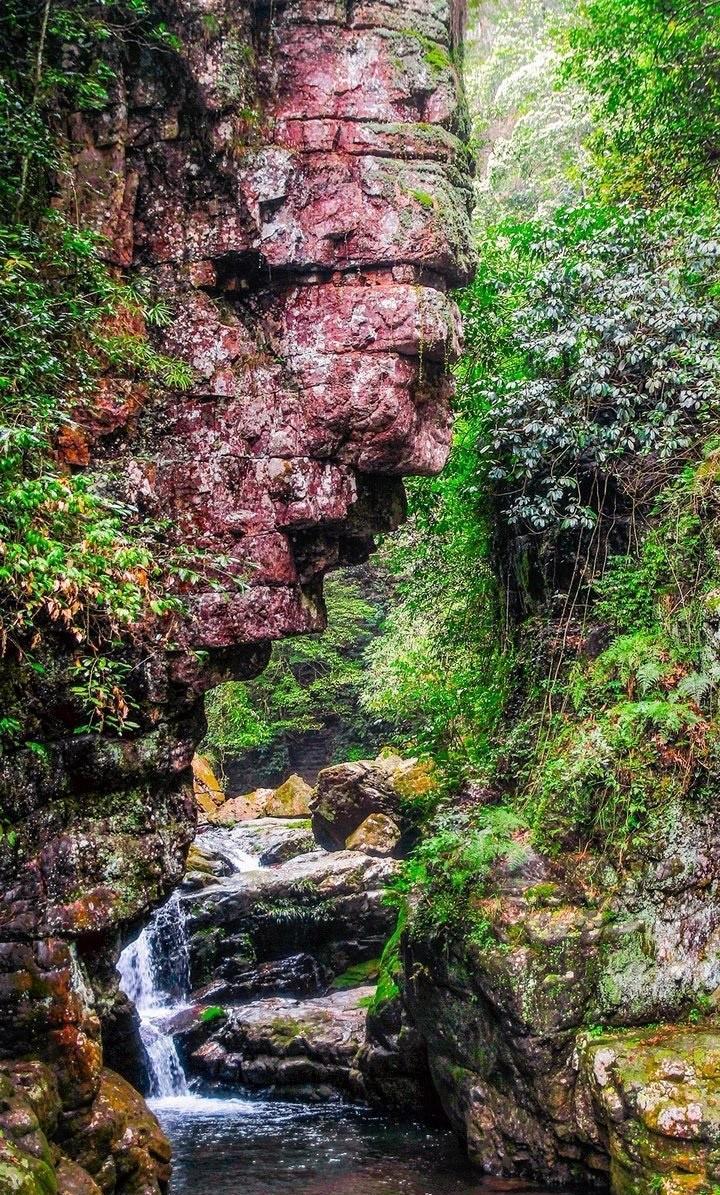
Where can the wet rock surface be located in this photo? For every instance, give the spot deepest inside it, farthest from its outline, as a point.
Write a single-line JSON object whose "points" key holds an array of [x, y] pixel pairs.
{"points": [[328, 906], [114, 1144], [282, 959], [219, 850]]}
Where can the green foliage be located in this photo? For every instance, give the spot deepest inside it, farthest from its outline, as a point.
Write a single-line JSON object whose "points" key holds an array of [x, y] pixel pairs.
{"points": [[391, 968], [603, 778], [529, 130], [557, 634], [309, 683], [69, 553], [438, 674], [435, 56], [357, 975], [54, 57], [638, 725], [652, 68], [703, 1007], [595, 1031], [212, 1013], [450, 868], [612, 355], [75, 562]]}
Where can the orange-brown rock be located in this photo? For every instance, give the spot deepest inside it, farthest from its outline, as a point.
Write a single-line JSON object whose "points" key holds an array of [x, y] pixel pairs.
{"points": [[73, 1180], [118, 1141], [291, 799], [377, 835], [244, 808], [209, 794]]}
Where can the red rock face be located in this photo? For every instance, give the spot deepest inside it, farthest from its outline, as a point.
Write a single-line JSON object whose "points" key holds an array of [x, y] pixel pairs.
{"points": [[294, 184]]}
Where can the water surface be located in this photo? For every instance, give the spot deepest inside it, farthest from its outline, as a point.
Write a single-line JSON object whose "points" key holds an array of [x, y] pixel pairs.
{"points": [[263, 1147]]}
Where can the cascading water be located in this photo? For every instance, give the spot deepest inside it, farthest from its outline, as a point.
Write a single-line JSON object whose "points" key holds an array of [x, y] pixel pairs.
{"points": [[155, 975], [262, 1146], [155, 971]]}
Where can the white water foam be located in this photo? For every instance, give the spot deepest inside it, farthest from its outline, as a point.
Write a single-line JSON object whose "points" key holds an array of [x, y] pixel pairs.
{"points": [[155, 975], [230, 845], [157, 961]]}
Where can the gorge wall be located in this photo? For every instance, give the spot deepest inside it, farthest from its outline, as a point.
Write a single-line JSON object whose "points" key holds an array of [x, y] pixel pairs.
{"points": [[292, 181]]}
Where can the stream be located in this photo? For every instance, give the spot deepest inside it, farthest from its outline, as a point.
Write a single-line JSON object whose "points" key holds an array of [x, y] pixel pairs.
{"points": [[255, 1145]]}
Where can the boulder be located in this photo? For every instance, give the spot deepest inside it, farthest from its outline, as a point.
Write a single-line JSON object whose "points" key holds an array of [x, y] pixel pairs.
{"points": [[654, 1096], [118, 1135], [287, 844], [291, 799], [200, 863], [238, 979], [393, 1061], [243, 808], [21, 1173], [29, 1115], [123, 1048], [347, 794], [208, 790], [73, 1180], [301, 1048], [328, 906], [377, 835], [26, 1160]]}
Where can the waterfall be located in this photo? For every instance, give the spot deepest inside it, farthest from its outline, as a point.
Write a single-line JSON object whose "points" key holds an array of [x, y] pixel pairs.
{"points": [[155, 969], [155, 975]]}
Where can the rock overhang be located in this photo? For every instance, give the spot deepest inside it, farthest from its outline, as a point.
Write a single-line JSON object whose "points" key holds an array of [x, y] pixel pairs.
{"points": [[293, 181]]}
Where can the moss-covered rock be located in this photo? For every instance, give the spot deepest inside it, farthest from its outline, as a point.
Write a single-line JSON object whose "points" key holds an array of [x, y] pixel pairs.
{"points": [[573, 945], [377, 835], [208, 790], [302, 1048], [347, 795], [291, 799], [654, 1097], [23, 1174]]}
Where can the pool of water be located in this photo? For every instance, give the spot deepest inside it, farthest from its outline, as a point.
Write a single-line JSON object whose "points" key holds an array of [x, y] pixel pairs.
{"points": [[261, 1147]]}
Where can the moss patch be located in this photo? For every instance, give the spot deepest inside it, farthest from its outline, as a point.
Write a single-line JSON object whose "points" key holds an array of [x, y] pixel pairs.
{"points": [[357, 976]]}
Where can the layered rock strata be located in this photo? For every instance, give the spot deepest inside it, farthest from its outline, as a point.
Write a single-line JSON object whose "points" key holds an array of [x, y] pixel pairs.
{"points": [[291, 183], [291, 928], [283, 963], [303, 1048]]}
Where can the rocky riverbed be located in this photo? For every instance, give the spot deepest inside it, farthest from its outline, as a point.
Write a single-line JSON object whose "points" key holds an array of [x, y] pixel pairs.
{"points": [[528, 1046], [261, 971]]}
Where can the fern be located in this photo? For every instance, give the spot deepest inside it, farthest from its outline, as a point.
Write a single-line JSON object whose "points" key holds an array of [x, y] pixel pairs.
{"points": [[649, 674]]}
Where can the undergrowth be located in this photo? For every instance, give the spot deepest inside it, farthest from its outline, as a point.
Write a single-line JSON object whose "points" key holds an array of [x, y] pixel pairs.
{"points": [[80, 570]]}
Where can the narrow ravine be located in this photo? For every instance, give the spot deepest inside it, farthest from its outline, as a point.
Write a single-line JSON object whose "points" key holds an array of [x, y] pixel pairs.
{"points": [[231, 1140]]}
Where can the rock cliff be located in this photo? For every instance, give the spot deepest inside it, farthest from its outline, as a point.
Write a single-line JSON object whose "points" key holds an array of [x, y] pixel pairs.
{"points": [[292, 181], [578, 1042]]}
